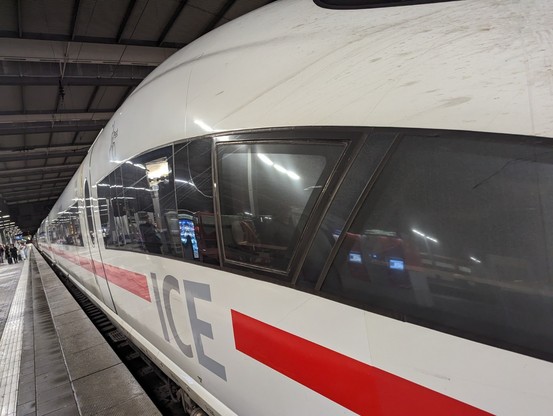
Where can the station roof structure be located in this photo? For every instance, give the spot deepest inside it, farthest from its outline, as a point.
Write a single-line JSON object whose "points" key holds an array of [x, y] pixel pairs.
{"points": [[65, 67]]}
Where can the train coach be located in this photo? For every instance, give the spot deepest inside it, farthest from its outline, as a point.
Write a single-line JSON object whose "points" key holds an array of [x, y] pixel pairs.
{"points": [[333, 208]]}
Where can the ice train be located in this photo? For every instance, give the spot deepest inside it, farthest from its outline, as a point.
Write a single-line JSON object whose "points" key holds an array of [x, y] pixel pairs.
{"points": [[332, 208]]}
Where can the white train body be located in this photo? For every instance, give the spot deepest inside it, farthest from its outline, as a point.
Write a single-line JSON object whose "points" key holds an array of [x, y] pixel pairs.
{"points": [[242, 340]]}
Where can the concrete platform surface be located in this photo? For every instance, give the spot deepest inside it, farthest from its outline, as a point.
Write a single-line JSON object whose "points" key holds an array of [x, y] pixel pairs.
{"points": [[53, 361]]}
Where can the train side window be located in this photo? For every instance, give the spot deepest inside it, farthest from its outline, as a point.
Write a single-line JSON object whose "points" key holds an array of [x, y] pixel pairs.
{"points": [[137, 204], [66, 228], [363, 167], [195, 219], [112, 210], [267, 191], [42, 237], [456, 236], [107, 219], [54, 233], [88, 211], [148, 183], [51, 232]]}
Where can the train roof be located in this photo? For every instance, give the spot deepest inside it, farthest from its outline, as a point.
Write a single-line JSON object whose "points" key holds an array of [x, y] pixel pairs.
{"points": [[476, 65]]}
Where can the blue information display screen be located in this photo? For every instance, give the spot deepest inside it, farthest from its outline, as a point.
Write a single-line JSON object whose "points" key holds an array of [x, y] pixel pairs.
{"points": [[355, 257], [188, 236], [396, 264]]}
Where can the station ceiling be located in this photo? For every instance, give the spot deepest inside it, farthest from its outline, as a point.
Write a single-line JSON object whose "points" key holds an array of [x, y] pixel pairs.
{"points": [[65, 67]]}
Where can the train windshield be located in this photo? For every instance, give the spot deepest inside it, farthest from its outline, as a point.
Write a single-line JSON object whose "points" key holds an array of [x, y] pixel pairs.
{"points": [[456, 233]]}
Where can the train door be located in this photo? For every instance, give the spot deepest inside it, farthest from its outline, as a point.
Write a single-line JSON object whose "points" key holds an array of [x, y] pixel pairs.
{"points": [[96, 264]]}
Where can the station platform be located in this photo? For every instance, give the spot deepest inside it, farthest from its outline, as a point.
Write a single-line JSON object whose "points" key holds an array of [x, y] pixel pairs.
{"points": [[53, 361]]}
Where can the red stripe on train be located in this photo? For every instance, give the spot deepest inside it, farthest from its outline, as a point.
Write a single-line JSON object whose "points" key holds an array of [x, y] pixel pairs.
{"points": [[359, 387], [135, 283]]}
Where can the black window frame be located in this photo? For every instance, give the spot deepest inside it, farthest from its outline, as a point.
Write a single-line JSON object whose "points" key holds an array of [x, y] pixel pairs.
{"points": [[351, 137], [381, 161]]}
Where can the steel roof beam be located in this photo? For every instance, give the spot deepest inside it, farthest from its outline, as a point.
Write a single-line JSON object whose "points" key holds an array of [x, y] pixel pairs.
{"points": [[43, 146], [123, 24], [11, 184], [220, 14], [54, 117], [92, 98], [51, 114], [39, 155], [14, 194], [74, 18], [171, 22], [27, 50], [87, 39], [48, 73], [73, 69], [9, 129], [19, 20], [38, 170], [125, 96], [80, 81]]}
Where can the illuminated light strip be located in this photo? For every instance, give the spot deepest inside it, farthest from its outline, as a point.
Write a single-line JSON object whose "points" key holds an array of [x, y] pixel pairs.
{"points": [[357, 386], [135, 283]]}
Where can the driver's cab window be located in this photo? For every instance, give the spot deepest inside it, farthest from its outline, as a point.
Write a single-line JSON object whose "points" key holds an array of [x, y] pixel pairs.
{"points": [[267, 191]]}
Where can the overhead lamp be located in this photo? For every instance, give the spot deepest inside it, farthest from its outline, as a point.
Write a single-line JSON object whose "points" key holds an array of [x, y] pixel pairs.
{"points": [[425, 236], [157, 170], [265, 159], [279, 168]]}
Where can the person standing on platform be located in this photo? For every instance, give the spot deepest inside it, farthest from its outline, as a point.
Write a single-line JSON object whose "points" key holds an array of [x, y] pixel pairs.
{"points": [[13, 253], [150, 236], [1, 253], [22, 253]]}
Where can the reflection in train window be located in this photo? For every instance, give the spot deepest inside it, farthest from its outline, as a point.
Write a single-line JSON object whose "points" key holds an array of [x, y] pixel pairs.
{"points": [[88, 207], [107, 220], [365, 164], [267, 192], [136, 203], [42, 236], [66, 228], [456, 234], [194, 223]]}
